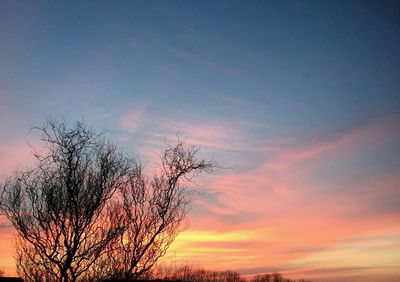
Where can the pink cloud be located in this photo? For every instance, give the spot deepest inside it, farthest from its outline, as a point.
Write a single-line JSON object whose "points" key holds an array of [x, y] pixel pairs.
{"points": [[222, 136], [132, 121], [14, 156], [213, 135], [283, 196], [374, 133]]}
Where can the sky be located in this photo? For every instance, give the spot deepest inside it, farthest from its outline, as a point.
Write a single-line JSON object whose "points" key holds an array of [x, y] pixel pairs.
{"points": [[297, 101]]}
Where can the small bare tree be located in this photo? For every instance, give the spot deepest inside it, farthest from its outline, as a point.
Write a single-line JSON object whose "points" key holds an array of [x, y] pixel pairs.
{"points": [[57, 207], [152, 211]]}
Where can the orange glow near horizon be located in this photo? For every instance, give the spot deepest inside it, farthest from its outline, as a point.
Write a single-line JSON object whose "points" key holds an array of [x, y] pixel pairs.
{"points": [[281, 215]]}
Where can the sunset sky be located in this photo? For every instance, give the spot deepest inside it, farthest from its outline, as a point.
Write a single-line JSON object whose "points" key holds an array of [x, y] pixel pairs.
{"points": [[297, 101]]}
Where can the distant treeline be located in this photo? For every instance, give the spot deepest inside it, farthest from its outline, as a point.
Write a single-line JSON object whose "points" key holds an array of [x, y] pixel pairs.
{"points": [[193, 274], [196, 274]]}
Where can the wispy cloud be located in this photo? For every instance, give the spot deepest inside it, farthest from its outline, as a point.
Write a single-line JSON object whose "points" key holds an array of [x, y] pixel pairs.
{"points": [[134, 119], [213, 136], [306, 216]]}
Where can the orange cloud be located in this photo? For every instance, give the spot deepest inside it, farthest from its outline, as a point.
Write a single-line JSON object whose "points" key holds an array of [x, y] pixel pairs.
{"points": [[307, 216], [7, 262]]}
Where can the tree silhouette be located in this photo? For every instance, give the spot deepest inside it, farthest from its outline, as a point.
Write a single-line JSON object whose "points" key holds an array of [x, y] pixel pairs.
{"points": [[56, 207], [86, 211], [151, 211], [198, 274]]}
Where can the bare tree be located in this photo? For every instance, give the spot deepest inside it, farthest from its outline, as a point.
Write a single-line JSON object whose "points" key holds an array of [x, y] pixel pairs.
{"points": [[152, 211], [57, 207], [86, 212]]}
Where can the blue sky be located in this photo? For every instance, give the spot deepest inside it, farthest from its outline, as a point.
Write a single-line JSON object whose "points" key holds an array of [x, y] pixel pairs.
{"points": [[252, 82], [330, 65]]}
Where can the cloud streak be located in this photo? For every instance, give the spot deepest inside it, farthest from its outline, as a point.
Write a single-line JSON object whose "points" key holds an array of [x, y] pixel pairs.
{"points": [[305, 217]]}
